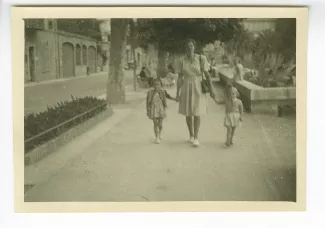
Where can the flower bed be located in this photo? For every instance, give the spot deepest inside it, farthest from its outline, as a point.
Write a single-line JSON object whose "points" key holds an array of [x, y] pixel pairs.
{"points": [[42, 127]]}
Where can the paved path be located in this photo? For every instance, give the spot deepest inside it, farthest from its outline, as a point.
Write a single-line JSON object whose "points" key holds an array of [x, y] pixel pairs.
{"points": [[37, 97], [123, 163]]}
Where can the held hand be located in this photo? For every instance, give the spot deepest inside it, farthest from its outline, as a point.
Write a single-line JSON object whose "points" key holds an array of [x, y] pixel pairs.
{"points": [[177, 98]]}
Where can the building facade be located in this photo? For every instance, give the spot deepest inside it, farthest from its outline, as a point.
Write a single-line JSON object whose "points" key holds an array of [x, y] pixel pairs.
{"points": [[52, 54], [140, 57]]}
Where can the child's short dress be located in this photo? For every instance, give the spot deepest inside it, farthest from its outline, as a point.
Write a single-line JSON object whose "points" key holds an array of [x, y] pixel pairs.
{"points": [[233, 110], [157, 109]]}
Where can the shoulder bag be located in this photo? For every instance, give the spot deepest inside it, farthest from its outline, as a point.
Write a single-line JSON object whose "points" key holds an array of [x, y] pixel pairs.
{"points": [[204, 83]]}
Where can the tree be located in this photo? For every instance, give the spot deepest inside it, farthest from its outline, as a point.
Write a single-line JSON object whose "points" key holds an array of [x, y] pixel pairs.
{"points": [[115, 87], [241, 43], [169, 34], [133, 41], [286, 28], [82, 26]]}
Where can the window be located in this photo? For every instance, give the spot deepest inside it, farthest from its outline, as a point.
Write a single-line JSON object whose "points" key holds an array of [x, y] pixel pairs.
{"points": [[84, 55], [78, 55], [46, 56], [50, 24]]}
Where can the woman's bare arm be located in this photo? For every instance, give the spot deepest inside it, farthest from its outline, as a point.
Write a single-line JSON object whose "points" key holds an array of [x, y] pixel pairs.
{"points": [[208, 77], [180, 80], [204, 68]]}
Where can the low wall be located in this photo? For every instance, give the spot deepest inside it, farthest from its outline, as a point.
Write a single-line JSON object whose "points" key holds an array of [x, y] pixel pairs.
{"points": [[51, 146], [253, 95], [81, 70]]}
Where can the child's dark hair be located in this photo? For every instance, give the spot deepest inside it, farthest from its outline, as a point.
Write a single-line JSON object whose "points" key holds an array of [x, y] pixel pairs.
{"points": [[157, 80], [228, 88]]}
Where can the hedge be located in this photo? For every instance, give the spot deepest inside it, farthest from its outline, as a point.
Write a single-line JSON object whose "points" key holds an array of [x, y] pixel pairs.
{"points": [[62, 112]]}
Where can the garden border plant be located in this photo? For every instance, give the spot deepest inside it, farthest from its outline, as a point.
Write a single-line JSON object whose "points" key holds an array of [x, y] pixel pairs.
{"points": [[270, 55], [43, 127]]}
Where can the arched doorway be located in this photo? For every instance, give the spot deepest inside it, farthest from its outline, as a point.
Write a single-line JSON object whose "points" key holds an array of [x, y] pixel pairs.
{"points": [[31, 63], [68, 60], [92, 59]]}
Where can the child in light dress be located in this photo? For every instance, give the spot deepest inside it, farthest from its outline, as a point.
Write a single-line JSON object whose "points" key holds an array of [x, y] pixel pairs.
{"points": [[156, 107], [234, 113]]}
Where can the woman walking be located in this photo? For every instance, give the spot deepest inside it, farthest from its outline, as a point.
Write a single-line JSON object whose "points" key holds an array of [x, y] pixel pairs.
{"points": [[192, 100]]}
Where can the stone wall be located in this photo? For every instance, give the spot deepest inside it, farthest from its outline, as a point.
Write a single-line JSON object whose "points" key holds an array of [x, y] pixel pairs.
{"points": [[41, 56]]}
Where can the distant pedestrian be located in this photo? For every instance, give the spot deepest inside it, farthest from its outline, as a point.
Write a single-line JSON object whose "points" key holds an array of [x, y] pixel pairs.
{"points": [[239, 70], [234, 113], [156, 107]]}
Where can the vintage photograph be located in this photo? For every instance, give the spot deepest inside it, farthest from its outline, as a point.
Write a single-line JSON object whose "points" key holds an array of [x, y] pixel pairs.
{"points": [[160, 109], [152, 109]]}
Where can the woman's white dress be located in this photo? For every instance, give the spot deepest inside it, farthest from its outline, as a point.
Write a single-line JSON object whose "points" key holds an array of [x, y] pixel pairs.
{"points": [[192, 101]]}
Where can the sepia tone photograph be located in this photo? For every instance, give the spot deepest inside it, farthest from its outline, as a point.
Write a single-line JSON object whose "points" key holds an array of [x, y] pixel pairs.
{"points": [[160, 109]]}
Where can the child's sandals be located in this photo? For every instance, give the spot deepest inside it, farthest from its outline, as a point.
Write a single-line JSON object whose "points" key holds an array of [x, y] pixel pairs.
{"points": [[157, 141], [228, 144]]}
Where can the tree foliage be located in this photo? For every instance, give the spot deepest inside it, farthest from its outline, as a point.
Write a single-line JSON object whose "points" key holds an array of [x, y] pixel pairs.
{"points": [[82, 26], [170, 33], [286, 30]]}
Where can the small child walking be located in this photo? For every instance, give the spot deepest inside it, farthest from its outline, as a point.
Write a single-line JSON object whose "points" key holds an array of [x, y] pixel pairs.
{"points": [[234, 113], [156, 107]]}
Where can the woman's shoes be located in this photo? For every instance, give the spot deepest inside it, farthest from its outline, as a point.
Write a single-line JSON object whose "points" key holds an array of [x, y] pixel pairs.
{"points": [[157, 141], [196, 143]]}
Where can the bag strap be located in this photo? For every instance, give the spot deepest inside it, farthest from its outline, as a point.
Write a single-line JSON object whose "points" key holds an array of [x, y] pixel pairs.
{"points": [[202, 72]]}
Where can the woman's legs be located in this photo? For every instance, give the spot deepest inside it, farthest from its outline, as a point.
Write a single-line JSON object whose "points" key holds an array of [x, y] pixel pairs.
{"points": [[193, 124], [189, 122], [197, 123]]}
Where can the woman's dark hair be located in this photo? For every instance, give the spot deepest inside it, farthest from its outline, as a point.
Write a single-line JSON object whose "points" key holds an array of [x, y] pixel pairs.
{"points": [[189, 40]]}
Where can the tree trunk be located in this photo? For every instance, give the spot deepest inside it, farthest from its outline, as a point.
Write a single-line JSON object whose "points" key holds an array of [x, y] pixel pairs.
{"points": [[115, 93], [151, 53], [162, 67]]}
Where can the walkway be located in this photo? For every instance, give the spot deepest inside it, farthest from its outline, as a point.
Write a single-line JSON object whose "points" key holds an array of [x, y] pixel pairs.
{"points": [[38, 96], [121, 163]]}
